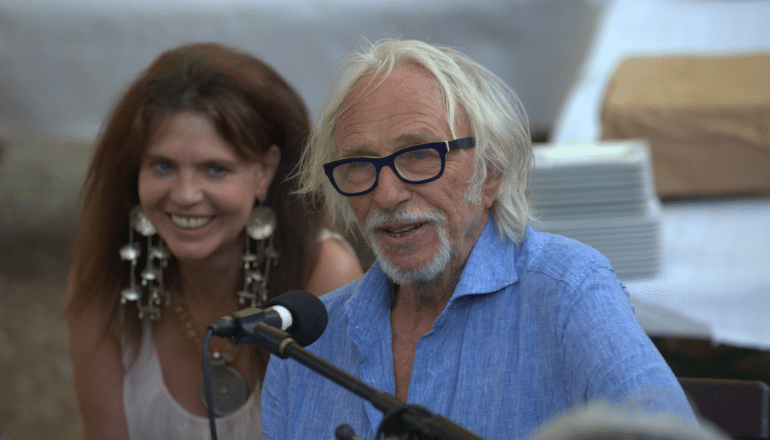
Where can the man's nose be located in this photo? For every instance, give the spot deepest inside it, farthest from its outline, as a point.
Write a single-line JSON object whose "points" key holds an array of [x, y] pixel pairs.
{"points": [[390, 190]]}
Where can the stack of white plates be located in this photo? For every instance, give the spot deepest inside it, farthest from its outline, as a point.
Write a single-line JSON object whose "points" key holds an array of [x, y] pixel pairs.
{"points": [[602, 195]]}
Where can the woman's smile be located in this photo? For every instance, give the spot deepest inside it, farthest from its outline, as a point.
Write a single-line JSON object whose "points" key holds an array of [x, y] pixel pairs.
{"points": [[190, 222]]}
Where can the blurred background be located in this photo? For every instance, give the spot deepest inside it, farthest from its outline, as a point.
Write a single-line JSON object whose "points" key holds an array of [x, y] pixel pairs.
{"points": [[621, 147]]}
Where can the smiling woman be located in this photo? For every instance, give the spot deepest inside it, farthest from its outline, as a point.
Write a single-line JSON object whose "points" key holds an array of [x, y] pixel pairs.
{"points": [[193, 169], [196, 191]]}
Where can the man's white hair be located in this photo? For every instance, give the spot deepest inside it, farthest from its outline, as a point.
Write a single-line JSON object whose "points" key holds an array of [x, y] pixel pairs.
{"points": [[605, 421], [495, 115]]}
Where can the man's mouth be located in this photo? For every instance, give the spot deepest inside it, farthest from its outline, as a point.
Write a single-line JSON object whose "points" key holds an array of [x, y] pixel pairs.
{"points": [[402, 230], [190, 222]]}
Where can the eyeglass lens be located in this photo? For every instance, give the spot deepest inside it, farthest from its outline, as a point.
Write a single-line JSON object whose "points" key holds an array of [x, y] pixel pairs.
{"points": [[413, 166]]}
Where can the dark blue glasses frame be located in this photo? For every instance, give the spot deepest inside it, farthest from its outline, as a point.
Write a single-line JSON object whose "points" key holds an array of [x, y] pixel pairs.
{"points": [[441, 147]]}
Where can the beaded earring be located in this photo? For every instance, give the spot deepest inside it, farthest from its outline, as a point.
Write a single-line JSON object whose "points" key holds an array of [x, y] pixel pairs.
{"points": [[148, 291], [259, 255]]}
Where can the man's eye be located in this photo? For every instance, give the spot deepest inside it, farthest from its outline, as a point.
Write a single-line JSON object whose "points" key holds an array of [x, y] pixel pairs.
{"points": [[420, 155]]}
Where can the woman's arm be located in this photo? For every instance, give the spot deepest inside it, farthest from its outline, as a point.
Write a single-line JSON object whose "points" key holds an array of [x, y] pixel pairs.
{"points": [[98, 371]]}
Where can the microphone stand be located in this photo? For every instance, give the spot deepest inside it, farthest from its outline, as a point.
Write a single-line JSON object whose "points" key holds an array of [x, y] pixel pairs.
{"points": [[401, 420], [207, 385]]}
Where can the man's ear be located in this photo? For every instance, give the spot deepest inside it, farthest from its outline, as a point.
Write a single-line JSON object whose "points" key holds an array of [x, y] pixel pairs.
{"points": [[491, 187], [269, 164]]}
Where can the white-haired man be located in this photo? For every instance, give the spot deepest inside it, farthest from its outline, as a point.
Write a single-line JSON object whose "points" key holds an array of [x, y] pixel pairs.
{"points": [[467, 311]]}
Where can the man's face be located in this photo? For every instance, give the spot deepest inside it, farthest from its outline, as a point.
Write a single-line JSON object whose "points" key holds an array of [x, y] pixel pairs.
{"points": [[417, 231]]}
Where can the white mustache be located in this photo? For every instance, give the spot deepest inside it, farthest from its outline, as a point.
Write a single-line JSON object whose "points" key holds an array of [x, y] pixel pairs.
{"points": [[380, 219]]}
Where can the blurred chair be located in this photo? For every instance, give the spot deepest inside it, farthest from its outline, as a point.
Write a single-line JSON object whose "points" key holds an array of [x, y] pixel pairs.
{"points": [[739, 407]]}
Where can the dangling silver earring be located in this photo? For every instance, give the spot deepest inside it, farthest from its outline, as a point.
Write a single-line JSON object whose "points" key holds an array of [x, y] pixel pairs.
{"points": [[148, 292], [258, 256]]}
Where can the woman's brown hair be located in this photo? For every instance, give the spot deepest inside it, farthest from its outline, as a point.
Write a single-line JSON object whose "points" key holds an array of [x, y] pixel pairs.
{"points": [[252, 108]]}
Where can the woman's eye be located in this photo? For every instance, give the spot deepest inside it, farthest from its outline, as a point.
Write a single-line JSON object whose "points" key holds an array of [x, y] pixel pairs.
{"points": [[216, 170], [162, 166]]}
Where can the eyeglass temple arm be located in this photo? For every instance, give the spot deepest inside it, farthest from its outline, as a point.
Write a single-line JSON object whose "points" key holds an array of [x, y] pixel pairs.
{"points": [[456, 144]]}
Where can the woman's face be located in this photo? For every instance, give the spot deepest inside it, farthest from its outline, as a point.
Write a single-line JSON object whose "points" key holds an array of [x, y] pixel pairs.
{"points": [[196, 191]]}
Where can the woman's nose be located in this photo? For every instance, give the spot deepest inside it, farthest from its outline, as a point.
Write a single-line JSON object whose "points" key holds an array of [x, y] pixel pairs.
{"points": [[187, 189]]}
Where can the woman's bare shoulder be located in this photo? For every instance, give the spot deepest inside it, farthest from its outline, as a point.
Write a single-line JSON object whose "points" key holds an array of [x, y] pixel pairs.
{"points": [[337, 265]]}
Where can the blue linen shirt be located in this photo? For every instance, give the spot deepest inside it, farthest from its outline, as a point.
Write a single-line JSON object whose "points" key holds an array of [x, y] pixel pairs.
{"points": [[531, 330]]}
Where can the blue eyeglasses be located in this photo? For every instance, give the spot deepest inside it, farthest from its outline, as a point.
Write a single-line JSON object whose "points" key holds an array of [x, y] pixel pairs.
{"points": [[422, 163]]}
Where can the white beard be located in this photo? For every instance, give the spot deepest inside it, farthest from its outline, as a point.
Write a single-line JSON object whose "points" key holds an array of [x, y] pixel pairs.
{"points": [[409, 275]]}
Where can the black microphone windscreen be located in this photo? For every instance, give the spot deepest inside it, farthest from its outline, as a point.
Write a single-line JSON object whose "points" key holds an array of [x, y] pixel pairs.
{"points": [[308, 315]]}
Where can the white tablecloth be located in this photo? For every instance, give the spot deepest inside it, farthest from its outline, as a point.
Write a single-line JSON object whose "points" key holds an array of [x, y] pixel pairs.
{"points": [[715, 276]]}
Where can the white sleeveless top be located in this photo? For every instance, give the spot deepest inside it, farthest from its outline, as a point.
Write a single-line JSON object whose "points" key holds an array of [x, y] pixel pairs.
{"points": [[151, 412]]}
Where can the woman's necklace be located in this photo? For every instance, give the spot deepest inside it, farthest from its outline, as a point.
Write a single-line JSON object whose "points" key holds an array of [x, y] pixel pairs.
{"points": [[229, 389]]}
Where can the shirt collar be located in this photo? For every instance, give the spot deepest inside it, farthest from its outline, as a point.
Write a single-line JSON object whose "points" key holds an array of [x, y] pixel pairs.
{"points": [[490, 265]]}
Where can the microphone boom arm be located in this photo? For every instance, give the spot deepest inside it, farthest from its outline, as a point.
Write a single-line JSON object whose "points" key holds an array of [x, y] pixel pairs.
{"points": [[279, 343], [416, 419]]}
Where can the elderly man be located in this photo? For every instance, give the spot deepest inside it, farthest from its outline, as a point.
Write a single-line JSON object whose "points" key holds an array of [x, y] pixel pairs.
{"points": [[467, 311]]}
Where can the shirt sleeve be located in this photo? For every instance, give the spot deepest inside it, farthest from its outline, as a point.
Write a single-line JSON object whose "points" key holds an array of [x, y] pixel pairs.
{"points": [[607, 354], [274, 400]]}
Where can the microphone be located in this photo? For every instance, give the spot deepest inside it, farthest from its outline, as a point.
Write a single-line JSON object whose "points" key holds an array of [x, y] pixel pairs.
{"points": [[302, 315], [345, 432]]}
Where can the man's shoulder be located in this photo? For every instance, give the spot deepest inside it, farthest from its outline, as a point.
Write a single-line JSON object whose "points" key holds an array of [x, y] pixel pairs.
{"points": [[538, 243], [559, 256]]}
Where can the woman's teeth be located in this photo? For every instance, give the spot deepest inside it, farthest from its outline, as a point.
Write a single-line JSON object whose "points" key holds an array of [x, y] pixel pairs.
{"points": [[190, 222]]}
